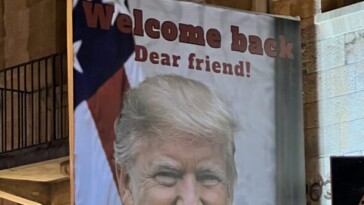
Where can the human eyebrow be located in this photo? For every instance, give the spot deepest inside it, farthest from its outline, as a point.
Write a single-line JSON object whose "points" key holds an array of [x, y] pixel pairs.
{"points": [[157, 166], [211, 170], [165, 173]]}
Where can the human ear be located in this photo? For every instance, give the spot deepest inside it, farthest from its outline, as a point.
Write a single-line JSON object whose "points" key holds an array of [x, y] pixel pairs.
{"points": [[123, 181]]}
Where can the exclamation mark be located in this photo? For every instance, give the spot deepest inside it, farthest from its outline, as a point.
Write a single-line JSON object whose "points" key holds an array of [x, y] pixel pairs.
{"points": [[248, 69]]}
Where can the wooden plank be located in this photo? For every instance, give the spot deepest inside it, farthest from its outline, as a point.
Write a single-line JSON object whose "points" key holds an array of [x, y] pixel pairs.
{"points": [[34, 154], [25, 192], [17, 199], [70, 95]]}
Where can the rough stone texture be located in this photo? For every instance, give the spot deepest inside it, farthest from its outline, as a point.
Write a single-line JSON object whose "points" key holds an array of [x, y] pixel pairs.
{"points": [[33, 29], [354, 46], [342, 108], [309, 87], [333, 82], [281, 7], [311, 115], [352, 133], [322, 142], [330, 53], [339, 81], [359, 75], [243, 5]]}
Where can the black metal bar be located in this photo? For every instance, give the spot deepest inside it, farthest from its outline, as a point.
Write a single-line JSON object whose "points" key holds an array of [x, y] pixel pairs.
{"points": [[39, 108], [27, 63], [18, 95], [12, 109], [2, 120], [54, 111], [21, 122], [46, 98], [32, 100], [16, 90], [25, 104], [6, 113], [61, 84]]}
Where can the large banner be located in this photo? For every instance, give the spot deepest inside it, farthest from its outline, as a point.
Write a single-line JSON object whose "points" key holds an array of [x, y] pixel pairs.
{"points": [[182, 103]]}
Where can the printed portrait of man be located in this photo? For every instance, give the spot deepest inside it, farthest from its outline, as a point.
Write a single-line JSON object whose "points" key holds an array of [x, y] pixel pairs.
{"points": [[175, 145]]}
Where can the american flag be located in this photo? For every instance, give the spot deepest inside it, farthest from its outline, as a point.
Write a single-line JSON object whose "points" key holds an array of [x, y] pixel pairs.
{"points": [[104, 68]]}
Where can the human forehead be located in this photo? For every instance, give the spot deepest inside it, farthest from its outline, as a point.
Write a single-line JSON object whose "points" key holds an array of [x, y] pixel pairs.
{"points": [[178, 152]]}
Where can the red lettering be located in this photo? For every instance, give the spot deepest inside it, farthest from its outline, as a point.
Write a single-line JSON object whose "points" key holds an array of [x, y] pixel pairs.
{"points": [[101, 13], [150, 25], [239, 69], [138, 22], [227, 68], [255, 45], [213, 38], [216, 67], [191, 34], [285, 49], [270, 47], [239, 41], [154, 58], [169, 31], [124, 23], [141, 53]]}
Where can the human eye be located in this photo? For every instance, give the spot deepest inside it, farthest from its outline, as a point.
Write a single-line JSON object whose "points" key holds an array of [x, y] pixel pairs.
{"points": [[166, 178], [208, 179]]}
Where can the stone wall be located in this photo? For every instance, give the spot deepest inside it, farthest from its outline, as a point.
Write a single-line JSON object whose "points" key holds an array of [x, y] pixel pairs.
{"points": [[32, 29], [334, 92], [333, 84]]}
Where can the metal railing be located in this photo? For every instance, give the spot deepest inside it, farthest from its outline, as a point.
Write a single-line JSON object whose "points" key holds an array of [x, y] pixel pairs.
{"points": [[34, 107]]}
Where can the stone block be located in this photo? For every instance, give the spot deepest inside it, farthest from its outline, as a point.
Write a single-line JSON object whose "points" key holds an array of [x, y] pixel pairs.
{"points": [[352, 136], [311, 115], [354, 46], [314, 87], [308, 34], [304, 10], [311, 143], [281, 7], [311, 167], [330, 53], [355, 153], [341, 109], [17, 59], [43, 14], [359, 67], [307, 22], [309, 61], [339, 81], [42, 42], [323, 141], [15, 5], [15, 45], [16, 22], [329, 83]]}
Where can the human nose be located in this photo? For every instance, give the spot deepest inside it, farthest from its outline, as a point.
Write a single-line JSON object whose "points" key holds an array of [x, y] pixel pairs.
{"points": [[188, 192]]}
